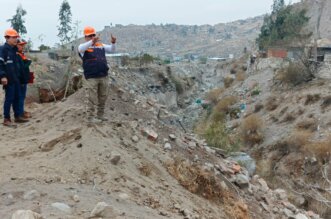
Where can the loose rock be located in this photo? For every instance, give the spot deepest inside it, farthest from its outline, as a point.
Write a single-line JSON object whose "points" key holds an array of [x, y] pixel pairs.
{"points": [[167, 146], [102, 209], [242, 181], [172, 137], [135, 138], [76, 198], [31, 195], [62, 207], [26, 214], [115, 159], [301, 216]]}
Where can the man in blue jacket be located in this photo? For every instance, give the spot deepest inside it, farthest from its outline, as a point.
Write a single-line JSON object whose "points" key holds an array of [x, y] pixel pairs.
{"points": [[10, 77], [96, 69]]}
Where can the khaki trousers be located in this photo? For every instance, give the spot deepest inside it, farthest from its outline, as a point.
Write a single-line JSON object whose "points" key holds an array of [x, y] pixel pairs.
{"points": [[96, 91]]}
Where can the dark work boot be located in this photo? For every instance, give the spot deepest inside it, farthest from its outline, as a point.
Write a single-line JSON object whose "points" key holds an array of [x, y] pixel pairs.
{"points": [[21, 119]]}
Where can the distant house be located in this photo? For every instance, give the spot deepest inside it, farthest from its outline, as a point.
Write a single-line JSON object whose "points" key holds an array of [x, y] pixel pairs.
{"points": [[277, 53], [296, 52], [324, 50], [217, 59]]}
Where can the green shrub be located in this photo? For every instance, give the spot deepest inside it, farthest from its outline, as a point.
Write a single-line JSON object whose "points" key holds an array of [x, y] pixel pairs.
{"points": [[228, 81], [252, 130], [225, 103], [214, 94], [203, 60], [294, 74], [217, 136], [178, 84], [256, 91]]}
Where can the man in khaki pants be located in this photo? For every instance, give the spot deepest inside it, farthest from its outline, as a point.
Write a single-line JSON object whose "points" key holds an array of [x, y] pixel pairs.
{"points": [[96, 69]]}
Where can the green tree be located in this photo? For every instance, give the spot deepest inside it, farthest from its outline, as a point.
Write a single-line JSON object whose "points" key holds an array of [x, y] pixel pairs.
{"points": [[283, 26], [146, 59], [277, 6], [65, 23], [17, 22], [43, 47]]}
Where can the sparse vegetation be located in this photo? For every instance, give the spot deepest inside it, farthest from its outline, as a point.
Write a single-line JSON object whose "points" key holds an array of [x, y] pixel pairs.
{"points": [[225, 103], [240, 76], [294, 74], [202, 60], [326, 102], [178, 84], [145, 169], [294, 143], [205, 184], [218, 136], [180, 87], [321, 149], [271, 103], [258, 107], [312, 98], [289, 117], [274, 118], [228, 81], [284, 110], [233, 71], [300, 111], [146, 59], [214, 94], [252, 130], [308, 124], [298, 140], [256, 91], [213, 127]]}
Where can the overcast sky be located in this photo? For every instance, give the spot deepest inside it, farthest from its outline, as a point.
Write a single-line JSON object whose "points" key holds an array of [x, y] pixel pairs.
{"points": [[42, 15]]}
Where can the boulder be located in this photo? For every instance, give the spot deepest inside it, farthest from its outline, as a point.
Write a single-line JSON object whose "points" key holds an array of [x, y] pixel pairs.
{"points": [[62, 207], [245, 160], [242, 180], [102, 209]]}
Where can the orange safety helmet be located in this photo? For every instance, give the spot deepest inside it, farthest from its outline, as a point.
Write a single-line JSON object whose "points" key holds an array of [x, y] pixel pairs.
{"points": [[89, 31], [11, 33], [21, 42]]}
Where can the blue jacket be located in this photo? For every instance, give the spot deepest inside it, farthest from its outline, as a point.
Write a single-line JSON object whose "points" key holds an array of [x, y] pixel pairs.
{"points": [[9, 66], [95, 63]]}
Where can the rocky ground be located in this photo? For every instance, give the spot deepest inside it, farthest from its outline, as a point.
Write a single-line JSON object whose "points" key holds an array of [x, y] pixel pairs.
{"points": [[136, 165], [295, 126]]}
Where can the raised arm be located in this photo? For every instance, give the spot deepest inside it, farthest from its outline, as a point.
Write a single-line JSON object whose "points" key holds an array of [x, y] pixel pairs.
{"points": [[84, 46], [110, 48]]}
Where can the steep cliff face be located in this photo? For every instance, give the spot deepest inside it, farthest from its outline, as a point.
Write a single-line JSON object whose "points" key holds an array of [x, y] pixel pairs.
{"points": [[319, 12]]}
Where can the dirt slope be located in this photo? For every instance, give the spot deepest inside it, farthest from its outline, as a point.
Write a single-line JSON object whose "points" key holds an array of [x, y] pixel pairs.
{"points": [[59, 155]]}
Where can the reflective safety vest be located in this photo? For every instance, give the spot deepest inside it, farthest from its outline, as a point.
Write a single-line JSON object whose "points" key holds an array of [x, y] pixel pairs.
{"points": [[95, 62]]}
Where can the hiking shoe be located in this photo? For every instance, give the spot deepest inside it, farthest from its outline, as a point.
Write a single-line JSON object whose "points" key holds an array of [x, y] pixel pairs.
{"points": [[8, 122], [27, 115], [21, 119]]}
